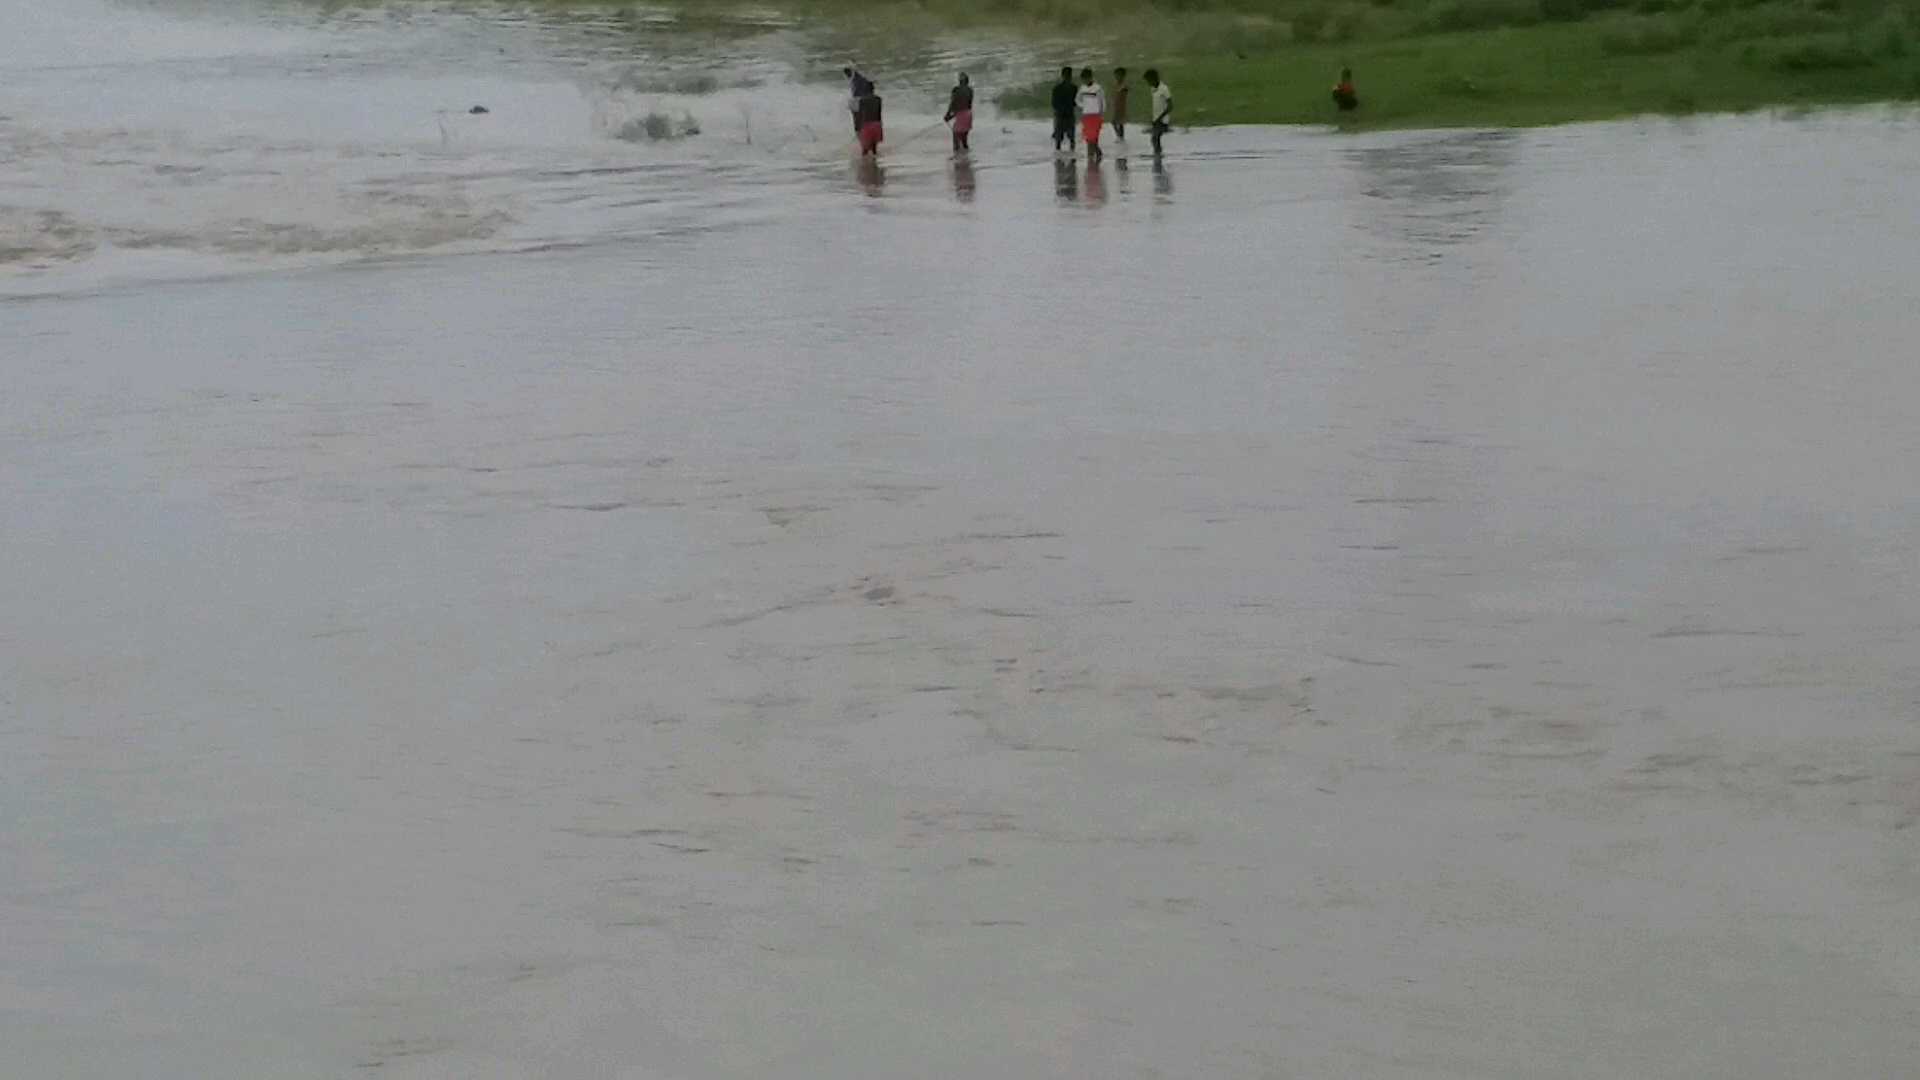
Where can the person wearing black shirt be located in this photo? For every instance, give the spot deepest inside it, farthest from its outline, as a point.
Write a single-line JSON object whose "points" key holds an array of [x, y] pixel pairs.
{"points": [[867, 115], [960, 112], [1063, 109]]}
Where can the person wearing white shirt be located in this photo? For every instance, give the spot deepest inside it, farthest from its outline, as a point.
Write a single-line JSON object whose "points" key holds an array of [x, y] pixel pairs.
{"points": [[1162, 121], [1092, 103]]}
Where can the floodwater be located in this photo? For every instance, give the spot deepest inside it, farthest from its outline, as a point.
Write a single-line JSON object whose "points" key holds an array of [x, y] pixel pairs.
{"points": [[505, 596]]}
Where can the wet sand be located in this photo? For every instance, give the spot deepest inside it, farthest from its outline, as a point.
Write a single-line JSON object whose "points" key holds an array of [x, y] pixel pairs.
{"points": [[1413, 606]]}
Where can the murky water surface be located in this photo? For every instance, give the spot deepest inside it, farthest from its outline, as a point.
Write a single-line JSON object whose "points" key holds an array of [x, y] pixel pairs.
{"points": [[502, 595]]}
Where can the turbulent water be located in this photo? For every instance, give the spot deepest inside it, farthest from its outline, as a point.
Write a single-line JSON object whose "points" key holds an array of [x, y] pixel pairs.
{"points": [[505, 595]]}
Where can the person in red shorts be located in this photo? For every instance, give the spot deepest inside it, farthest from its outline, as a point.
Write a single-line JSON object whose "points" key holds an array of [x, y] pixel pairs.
{"points": [[869, 115], [1092, 103]]}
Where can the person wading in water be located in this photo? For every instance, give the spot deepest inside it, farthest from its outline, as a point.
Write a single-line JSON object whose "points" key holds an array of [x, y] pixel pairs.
{"points": [[1063, 110], [960, 113], [1093, 107], [858, 86], [868, 116], [1162, 121]]}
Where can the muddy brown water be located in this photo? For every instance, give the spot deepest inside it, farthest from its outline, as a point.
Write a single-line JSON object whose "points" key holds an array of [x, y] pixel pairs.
{"points": [[493, 597]]}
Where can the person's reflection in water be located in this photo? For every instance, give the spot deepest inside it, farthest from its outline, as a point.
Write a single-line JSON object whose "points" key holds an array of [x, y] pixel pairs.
{"points": [[873, 178], [963, 178], [1162, 181], [1124, 173], [1096, 185], [1066, 179]]}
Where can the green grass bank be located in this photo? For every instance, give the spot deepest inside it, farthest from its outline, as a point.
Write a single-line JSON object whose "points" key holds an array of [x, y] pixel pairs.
{"points": [[1440, 63]]}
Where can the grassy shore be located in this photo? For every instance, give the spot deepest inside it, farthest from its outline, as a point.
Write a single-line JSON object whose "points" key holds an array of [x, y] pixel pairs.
{"points": [[1436, 63]]}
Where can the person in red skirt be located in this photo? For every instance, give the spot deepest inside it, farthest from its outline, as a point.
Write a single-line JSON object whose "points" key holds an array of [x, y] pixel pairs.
{"points": [[869, 116], [1092, 104], [960, 113]]}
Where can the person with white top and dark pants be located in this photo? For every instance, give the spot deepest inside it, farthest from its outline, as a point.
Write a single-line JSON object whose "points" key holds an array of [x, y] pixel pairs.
{"points": [[1162, 108]]}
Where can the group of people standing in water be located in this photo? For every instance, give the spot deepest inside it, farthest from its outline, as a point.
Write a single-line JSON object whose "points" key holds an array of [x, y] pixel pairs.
{"points": [[1082, 109], [1088, 105], [1085, 105]]}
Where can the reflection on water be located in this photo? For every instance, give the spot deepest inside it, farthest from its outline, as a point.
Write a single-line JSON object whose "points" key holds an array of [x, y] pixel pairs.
{"points": [[1096, 190], [1436, 190], [964, 185], [1162, 180], [1066, 179]]}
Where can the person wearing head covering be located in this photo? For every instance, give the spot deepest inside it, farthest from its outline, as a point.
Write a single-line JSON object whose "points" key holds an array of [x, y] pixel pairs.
{"points": [[858, 86], [960, 113]]}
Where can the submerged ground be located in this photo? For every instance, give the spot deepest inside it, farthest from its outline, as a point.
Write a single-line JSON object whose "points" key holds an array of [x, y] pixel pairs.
{"points": [[503, 597]]}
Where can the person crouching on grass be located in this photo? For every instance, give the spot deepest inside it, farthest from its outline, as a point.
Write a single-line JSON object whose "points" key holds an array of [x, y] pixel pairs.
{"points": [[1092, 103], [858, 86], [1344, 95], [870, 130]]}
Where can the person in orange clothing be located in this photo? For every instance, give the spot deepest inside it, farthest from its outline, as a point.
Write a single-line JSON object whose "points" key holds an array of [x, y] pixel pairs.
{"points": [[1344, 95]]}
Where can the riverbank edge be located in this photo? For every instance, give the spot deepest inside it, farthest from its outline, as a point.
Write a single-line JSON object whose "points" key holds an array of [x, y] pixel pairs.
{"points": [[1662, 58], [1513, 77]]}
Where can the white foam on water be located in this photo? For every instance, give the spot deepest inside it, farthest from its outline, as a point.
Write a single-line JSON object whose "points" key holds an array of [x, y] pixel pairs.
{"points": [[295, 142]]}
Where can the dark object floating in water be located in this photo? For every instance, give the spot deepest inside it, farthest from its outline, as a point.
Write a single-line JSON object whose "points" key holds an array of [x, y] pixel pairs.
{"points": [[477, 110]]}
